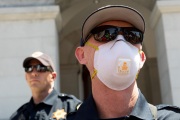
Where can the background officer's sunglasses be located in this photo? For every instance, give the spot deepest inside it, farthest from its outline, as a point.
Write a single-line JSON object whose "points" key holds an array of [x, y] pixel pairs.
{"points": [[39, 68]]}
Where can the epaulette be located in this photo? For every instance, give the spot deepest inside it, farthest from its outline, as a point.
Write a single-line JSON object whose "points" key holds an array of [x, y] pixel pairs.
{"points": [[64, 96], [69, 97], [168, 107]]}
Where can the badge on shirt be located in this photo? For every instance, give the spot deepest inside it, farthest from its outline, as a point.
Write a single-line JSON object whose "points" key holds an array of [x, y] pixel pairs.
{"points": [[59, 114]]}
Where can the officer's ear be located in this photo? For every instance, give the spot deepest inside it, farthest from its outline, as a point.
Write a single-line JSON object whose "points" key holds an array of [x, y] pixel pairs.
{"points": [[54, 75], [80, 55], [143, 58]]}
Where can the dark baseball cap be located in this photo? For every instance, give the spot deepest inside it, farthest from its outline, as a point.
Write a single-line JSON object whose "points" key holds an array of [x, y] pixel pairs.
{"points": [[41, 57], [112, 12]]}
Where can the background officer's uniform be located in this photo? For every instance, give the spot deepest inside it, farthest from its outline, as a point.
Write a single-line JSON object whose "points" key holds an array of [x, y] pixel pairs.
{"points": [[142, 111], [54, 107]]}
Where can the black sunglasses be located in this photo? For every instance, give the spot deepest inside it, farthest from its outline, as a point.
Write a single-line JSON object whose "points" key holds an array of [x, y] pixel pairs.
{"points": [[108, 33], [39, 68]]}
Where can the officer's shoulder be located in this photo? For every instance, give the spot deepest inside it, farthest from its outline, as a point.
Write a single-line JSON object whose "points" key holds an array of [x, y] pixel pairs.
{"points": [[170, 108], [24, 106], [64, 96], [18, 111], [73, 102]]}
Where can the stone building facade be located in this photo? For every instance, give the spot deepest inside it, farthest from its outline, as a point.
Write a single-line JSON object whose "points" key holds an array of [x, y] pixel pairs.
{"points": [[54, 27]]}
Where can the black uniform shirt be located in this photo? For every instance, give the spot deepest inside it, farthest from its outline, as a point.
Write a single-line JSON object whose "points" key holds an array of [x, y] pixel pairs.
{"points": [[54, 106], [141, 111]]}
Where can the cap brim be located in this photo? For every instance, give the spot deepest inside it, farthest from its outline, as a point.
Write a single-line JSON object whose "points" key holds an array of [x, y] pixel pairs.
{"points": [[113, 12], [28, 59]]}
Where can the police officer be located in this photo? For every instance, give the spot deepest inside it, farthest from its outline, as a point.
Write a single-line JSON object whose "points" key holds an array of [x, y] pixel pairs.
{"points": [[111, 49], [46, 103]]}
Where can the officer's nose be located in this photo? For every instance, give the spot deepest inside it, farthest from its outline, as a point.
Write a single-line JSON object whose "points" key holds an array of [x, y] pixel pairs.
{"points": [[34, 72]]}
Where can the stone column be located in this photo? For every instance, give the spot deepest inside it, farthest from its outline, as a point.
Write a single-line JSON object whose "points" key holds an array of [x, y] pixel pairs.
{"points": [[25, 26], [165, 22]]}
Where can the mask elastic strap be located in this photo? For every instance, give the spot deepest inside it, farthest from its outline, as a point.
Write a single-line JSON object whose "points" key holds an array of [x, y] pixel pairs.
{"points": [[94, 74], [140, 51], [91, 45], [137, 75], [96, 48]]}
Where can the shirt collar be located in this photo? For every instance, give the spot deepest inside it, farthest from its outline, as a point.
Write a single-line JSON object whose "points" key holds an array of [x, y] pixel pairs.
{"points": [[50, 99], [141, 109]]}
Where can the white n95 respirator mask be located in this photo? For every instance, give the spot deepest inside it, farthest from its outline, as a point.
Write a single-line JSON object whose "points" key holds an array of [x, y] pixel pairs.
{"points": [[116, 63]]}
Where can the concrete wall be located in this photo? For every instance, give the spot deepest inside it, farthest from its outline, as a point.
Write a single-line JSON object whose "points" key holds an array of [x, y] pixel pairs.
{"points": [[23, 30]]}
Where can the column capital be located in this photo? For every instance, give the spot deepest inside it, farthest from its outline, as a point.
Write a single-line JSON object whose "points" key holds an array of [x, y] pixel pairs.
{"points": [[17, 3], [162, 7], [28, 13]]}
